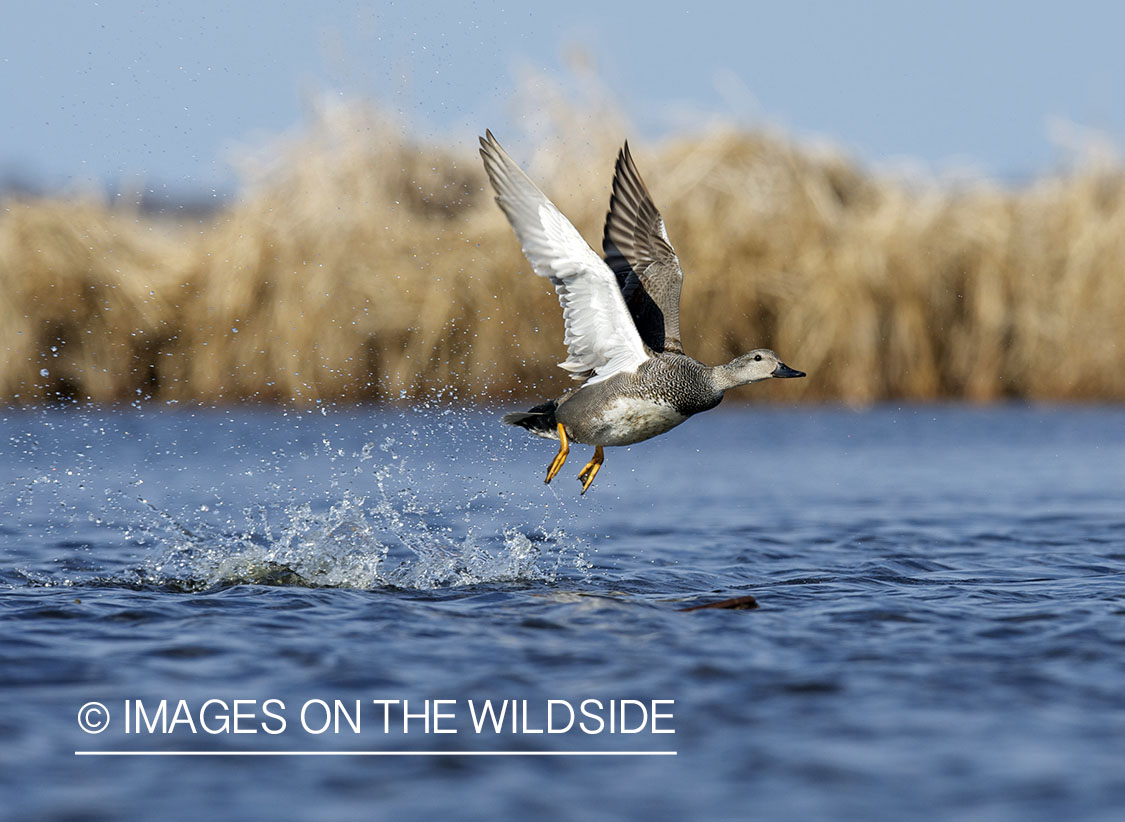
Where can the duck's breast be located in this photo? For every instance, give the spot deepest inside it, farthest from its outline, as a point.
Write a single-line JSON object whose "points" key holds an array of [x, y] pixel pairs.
{"points": [[621, 420]]}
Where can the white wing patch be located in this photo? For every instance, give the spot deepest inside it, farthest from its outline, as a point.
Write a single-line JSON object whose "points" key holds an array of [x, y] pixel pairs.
{"points": [[600, 334]]}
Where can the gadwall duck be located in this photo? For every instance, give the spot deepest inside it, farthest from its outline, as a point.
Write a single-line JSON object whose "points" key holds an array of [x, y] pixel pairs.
{"points": [[622, 319]]}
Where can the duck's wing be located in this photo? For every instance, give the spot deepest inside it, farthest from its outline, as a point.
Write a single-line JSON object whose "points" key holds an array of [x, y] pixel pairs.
{"points": [[601, 338], [637, 248]]}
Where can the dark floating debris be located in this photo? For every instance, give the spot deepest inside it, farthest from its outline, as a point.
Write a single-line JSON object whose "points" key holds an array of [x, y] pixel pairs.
{"points": [[746, 603]]}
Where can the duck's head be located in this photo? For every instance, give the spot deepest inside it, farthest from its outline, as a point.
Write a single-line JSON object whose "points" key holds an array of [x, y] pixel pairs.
{"points": [[755, 366]]}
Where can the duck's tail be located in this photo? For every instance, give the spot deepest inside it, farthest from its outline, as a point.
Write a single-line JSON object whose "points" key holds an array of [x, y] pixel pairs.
{"points": [[540, 420]]}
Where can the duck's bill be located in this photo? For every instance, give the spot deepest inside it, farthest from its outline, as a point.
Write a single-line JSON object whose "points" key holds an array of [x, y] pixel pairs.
{"points": [[784, 370]]}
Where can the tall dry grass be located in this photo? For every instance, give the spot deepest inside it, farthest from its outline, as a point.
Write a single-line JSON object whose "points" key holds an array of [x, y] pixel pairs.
{"points": [[360, 265]]}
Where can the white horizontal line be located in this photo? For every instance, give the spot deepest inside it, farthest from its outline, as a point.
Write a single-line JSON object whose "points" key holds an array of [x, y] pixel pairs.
{"points": [[375, 753]]}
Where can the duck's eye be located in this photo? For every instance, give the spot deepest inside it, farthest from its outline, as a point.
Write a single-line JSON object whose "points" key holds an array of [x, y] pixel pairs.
{"points": [[757, 358]]}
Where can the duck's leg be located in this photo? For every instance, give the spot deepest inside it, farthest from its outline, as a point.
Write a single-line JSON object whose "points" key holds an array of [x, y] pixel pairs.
{"points": [[591, 469], [560, 458]]}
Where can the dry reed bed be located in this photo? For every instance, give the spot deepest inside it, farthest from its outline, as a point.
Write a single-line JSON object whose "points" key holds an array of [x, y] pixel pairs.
{"points": [[363, 266]]}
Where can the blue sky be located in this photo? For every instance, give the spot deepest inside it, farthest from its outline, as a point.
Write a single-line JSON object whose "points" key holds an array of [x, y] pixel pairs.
{"points": [[98, 93]]}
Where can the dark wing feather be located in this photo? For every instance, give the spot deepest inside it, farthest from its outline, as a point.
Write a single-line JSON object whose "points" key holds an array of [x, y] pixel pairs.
{"points": [[637, 249]]}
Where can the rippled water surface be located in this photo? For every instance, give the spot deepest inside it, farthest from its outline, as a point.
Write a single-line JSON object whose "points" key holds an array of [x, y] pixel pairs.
{"points": [[941, 630]]}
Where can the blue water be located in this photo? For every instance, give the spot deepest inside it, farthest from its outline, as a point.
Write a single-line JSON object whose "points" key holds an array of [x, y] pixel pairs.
{"points": [[941, 630]]}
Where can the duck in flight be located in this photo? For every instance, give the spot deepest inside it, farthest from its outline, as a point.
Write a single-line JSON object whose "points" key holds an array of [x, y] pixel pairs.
{"points": [[621, 316]]}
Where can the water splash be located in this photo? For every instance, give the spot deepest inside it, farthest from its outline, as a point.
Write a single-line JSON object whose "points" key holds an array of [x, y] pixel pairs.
{"points": [[194, 501], [356, 544], [393, 536]]}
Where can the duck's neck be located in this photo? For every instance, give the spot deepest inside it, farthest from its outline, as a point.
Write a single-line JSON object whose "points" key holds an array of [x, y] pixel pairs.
{"points": [[735, 373], [725, 377]]}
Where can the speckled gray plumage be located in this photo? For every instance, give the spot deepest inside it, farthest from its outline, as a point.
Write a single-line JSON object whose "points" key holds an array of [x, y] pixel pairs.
{"points": [[683, 385]]}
